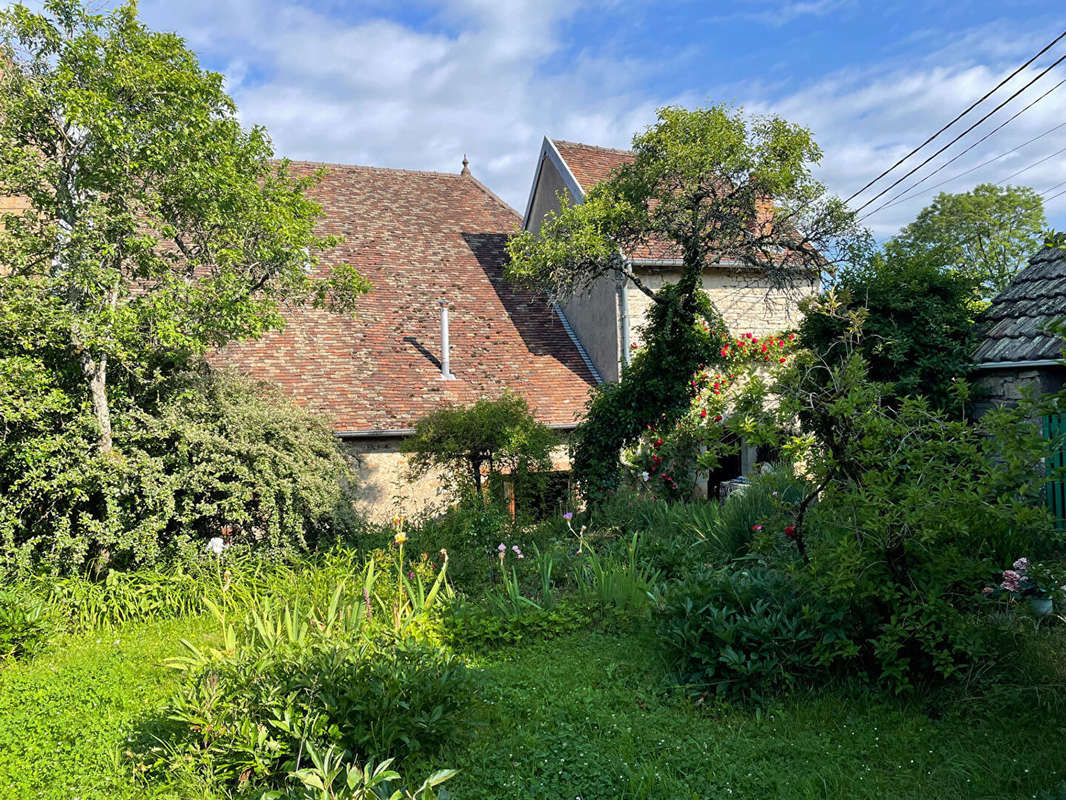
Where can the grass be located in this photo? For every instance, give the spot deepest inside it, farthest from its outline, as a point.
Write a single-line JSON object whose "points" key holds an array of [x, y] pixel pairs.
{"points": [[591, 716], [587, 715], [66, 718]]}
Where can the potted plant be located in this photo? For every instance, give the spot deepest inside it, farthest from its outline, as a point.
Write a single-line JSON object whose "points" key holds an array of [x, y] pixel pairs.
{"points": [[1034, 582]]}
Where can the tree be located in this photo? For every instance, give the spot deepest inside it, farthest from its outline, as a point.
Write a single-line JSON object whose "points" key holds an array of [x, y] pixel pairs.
{"points": [[722, 190], [987, 234], [916, 322], [155, 222], [461, 441]]}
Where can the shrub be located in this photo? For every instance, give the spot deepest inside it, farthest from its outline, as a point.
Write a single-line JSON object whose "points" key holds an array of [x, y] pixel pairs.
{"points": [[471, 624], [917, 321], [215, 457], [360, 674], [740, 633], [26, 627]]}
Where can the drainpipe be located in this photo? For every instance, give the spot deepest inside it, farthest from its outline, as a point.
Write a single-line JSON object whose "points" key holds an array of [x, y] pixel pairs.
{"points": [[445, 345], [623, 319]]}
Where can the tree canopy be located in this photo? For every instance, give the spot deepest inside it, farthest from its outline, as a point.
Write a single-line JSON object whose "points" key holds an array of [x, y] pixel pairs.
{"points": [[461, 440], [714, 188], [155, 221], [717, 188], [987, 234]]}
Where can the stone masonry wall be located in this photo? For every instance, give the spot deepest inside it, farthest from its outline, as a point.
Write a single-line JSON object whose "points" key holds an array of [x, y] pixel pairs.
{"points": [[383, 491], [746, 302]]}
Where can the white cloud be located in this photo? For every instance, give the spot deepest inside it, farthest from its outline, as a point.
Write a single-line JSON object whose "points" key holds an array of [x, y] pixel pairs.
{"points": [[867, 120], [488, 78]]}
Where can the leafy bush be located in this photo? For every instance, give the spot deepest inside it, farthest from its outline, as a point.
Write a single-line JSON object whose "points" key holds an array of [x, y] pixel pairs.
{"points": [[26, 627], [917, 321], [360, 675], [741, 633], [216, 457], [471, 624]]}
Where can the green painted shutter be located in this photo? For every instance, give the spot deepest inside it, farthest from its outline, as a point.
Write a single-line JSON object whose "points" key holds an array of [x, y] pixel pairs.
{"points": [[1054, 428]]}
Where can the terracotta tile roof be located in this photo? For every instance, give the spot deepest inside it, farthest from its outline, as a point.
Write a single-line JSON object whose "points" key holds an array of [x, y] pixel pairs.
{"points": [[590, 165], [1015, 323], [418, 237]]}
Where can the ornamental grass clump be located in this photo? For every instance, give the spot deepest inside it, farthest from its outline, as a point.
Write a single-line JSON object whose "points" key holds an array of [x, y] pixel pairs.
{"points": [[359, 674]]}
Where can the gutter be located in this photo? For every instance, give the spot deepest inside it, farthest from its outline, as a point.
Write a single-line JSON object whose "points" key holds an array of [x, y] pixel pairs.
{"points": [[402, 432], [1042, 362]]}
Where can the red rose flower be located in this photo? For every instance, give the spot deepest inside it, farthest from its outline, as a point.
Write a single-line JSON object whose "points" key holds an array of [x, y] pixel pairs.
{"points": [[790, 531]]}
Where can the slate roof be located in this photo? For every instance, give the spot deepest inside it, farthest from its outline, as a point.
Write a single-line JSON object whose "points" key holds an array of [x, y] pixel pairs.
{"points": [[1016, 321], [418, 237]]}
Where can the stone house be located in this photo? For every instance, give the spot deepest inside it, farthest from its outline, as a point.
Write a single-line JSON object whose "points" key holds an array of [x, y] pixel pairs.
{"points": [[425, 237], [1016, 352], [608, 317], [419, 238]]}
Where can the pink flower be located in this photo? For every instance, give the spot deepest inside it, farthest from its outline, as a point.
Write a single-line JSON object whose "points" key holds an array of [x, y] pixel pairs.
{"points": [[521, 556], [1022, 564], [502, 548], [410, 576], [987, 590], [569, 515], [756, 527], [1011, 580]]}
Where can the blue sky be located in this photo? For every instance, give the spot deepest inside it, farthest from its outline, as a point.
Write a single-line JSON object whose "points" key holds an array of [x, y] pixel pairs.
{"points": [[417, 85]]}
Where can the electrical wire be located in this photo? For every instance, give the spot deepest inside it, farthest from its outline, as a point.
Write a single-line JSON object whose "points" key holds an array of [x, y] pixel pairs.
{"points": [[987, 94], [949, 144], [906, 194]]}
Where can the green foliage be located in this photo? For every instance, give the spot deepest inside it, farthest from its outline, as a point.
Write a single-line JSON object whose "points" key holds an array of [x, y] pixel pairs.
{"points": [[332, 778], [653, 389], [216, 457], [914, 322], [156, 223], [469, 532], [487, 626], [358, 674], [706, 182], [26, 627], [617, 582], [460, 442], [986, 235], [740, 632]]}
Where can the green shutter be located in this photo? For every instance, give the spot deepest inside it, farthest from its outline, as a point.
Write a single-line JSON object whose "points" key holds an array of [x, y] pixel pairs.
{"points": [[1054, 428]]}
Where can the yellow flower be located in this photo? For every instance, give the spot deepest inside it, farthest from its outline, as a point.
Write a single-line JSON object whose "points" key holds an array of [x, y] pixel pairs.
{"points": [[400, 538]]}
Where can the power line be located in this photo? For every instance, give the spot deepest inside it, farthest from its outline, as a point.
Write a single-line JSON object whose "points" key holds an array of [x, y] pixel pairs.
{"points": [[1034, 164], [1053, 188], [949, 144], [987, 94], [1049, 199], [906, 194]]}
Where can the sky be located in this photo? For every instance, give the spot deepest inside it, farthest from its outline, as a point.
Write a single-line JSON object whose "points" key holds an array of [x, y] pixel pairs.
{"points": [[417, 85]]}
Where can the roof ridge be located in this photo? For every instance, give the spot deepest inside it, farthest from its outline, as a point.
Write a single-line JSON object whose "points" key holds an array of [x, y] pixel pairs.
{"points": [[592, 146], [335, 164], [492, 195]]}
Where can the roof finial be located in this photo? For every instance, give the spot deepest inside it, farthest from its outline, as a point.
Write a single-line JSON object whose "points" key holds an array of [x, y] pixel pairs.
{"points": [[466, 166]]}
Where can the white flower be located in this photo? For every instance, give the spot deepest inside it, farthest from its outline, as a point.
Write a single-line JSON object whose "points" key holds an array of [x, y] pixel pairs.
{"points": [[644, 476], [216, 546]]}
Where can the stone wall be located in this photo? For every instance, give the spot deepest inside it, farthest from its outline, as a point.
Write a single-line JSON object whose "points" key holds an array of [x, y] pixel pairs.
{"points": [[747, 303], [383, 491], [1005, 387]]}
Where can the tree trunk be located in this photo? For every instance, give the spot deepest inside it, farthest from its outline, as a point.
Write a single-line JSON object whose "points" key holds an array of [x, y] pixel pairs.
{"points": [[95, 370]]}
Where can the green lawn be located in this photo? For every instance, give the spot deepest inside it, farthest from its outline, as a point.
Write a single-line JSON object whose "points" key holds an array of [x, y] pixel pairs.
{"points": [[588, 715]]}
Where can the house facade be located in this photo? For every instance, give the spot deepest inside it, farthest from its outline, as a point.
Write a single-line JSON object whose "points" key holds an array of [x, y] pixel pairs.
{"points": [[419, 238], [608, 317]]}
